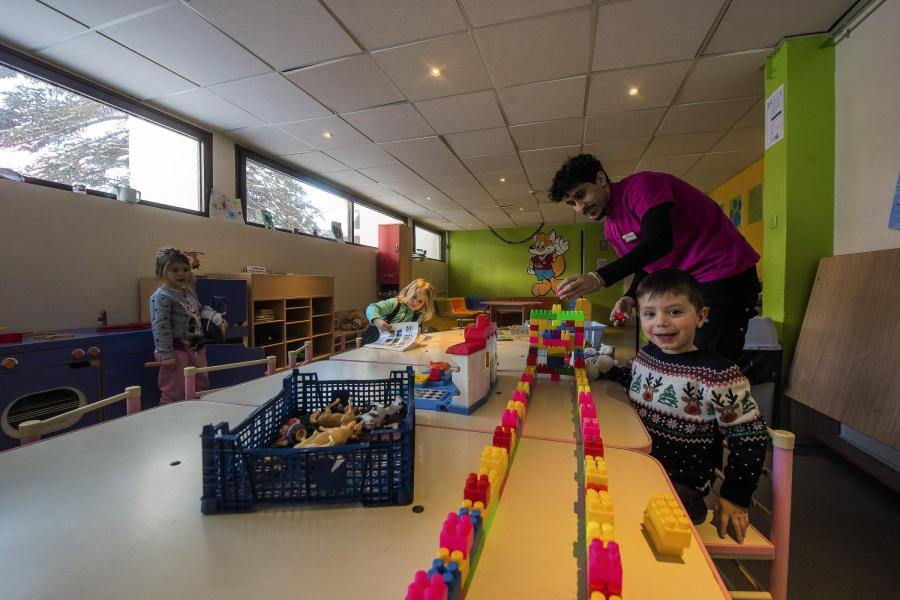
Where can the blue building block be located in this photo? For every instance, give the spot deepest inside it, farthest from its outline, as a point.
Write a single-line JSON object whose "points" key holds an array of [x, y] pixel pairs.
{"points": [[451, 574]]}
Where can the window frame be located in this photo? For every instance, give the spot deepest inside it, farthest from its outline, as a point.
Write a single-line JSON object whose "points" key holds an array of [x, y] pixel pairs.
{"points": [[242, 154], [441, 234], [54, 75]]}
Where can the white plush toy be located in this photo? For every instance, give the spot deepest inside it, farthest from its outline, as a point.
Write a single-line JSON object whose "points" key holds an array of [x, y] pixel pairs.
{"points": [[376, 417], [597, 362]]}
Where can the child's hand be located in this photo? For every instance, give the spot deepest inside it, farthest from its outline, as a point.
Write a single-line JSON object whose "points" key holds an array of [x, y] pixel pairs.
{"points": [[169, 363], [726, 512], [621, 312], [384, 325]]}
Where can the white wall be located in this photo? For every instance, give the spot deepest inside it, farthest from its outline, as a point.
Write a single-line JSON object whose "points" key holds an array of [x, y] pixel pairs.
{"points": [[867, 150], [867, 132], [67, 256]]}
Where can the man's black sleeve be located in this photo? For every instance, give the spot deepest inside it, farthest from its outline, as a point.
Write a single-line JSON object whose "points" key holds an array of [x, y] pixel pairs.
{"points": [[656, 242]]}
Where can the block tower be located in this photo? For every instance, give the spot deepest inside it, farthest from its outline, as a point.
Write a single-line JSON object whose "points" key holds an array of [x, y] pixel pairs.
{"points": [[556, 342]]}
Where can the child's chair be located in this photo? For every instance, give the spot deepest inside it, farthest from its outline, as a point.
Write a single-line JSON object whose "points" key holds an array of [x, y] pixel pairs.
{"points": [[190, 373], [756, 546], [31, 431]]}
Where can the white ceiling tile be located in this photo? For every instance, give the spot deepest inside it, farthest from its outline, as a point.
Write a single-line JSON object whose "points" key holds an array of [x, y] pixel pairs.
{"points": [[527, 218], [442, 168], [623, 126], [519, 203], [755, 117], [271, 97], [492, 163], [704, 116], [363, 157], [762, 23], [558, 214], [452, 184], [676, 165], [184, 42], [644, 32], [27, 24], [548, 134], [656, 87], [549, 47], [421, 150], [457, 215], [348, 84], [382, 23], [468, 112], [206, 108], [313, 132], [542, 178], [544, 101], [501, 192], [548, 158], [714, 169], [483, 13], [617, 150], [686, 143], [620, 168], [103, 60], [481, 143], [391, 173], [503, 222], [725, 77], [284, 33], [456, 56], [315, 162], [471, 195], [514, 177], [269, 139], [353, 180], [97, 12], [389, 123], [751, 138], [414, 189]]}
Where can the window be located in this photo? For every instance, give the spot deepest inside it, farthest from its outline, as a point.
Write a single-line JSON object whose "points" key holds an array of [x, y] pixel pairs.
{"points": [[432, 243], [366, 222], [276, 196], [56, 129]]}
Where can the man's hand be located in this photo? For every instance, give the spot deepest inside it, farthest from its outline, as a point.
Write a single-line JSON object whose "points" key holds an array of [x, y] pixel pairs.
{"points": [[577, 286], [726, 512], [621, 312]]}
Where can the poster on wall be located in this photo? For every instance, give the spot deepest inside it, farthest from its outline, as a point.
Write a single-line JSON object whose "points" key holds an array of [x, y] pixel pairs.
{"points": [[775, 117], [894, 221], [547, 261]]}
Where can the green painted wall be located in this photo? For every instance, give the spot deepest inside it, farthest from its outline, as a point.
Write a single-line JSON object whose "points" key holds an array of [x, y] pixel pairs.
{"points": [[799, 182], [480, 264]]}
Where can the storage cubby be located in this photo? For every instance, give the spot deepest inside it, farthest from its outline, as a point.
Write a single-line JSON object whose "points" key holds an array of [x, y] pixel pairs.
{"points": [[322, 345], [322, 324], [297, 331]]}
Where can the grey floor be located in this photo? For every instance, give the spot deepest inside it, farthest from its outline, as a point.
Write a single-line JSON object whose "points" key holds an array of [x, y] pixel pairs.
{"points": [[845, 533]]}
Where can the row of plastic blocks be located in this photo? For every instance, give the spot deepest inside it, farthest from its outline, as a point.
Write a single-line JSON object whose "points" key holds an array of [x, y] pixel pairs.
{"points": [[604, 568], [596, 475], [667, 525]]}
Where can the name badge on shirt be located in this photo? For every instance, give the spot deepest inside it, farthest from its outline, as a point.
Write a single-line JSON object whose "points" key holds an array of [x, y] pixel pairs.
{"points": [[629, 237]]}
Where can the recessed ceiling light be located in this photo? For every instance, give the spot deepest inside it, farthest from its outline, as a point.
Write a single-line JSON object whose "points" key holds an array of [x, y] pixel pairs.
{"points": [[633, 92], [435, 72], [328, 135], [521, 208], [503, 180], [428, 197]]}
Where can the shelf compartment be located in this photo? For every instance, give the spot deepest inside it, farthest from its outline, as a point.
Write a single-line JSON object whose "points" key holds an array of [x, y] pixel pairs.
{"points": [[322, 306], [323, 346], [298, 330], [273, 308], [322, 324], [265, 334]]}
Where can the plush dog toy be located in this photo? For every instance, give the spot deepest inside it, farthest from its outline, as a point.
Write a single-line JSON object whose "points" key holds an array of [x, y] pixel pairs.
{"points": [[381, 414], [332, 436], [597, 362]]}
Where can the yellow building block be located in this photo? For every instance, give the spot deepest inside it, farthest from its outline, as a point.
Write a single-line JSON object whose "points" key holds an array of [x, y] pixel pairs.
{"points": [[601, 531], [524, 386], [667, 525], [517, 406], [595, 472], [598, 507], [496, 459]]}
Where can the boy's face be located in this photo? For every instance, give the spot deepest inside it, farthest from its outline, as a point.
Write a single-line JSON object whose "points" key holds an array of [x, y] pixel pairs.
{"points": [[590, 199], [670, 321], [416, 300]]}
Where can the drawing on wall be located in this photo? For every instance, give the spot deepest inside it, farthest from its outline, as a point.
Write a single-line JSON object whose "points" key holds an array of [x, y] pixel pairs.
{"points": [[547, 261], [755, 204], [735, 212], [894, 219]]}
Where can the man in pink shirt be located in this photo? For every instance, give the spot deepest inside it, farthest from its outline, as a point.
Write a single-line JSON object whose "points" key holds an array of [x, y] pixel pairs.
{"points": [[655, 221]]}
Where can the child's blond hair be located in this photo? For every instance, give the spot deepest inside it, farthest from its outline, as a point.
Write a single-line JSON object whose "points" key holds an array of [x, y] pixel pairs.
{"points": [[167, 256], [407, 292]]}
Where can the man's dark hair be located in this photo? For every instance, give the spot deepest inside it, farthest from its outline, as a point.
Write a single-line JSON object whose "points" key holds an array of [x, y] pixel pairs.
{"points": [[577, 170], [671, 281]]}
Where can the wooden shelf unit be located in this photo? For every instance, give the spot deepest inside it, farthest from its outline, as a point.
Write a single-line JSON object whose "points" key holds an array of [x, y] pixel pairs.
{"points": [[304, 310]]}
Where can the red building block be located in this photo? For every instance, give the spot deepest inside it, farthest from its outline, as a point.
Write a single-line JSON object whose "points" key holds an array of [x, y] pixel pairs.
{"points": [[590, 428], [593, 446], [478, 489], [503, 438]]}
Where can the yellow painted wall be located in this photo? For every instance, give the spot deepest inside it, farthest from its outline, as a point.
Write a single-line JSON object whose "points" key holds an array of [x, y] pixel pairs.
{"points": [[751, 221]]}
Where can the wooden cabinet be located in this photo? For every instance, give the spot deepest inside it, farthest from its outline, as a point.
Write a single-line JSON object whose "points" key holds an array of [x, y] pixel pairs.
{"points": [[395, 246], [286, 311]]}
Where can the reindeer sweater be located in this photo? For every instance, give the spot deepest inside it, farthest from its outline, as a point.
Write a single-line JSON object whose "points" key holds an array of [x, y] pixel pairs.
{"points": [[690, 401]]}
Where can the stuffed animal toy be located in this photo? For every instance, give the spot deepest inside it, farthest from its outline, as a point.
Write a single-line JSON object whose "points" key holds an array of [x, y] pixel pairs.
{"points": [[332, 436], [335, 414], [381, 414], [354, 321], [597, 362]]}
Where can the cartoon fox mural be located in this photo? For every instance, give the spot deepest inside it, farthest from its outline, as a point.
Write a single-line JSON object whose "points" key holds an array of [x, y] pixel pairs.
{"points": [[547, 261]]}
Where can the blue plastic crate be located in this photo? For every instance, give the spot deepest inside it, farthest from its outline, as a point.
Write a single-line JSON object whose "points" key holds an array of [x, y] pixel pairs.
{"points": [[241, 470]]}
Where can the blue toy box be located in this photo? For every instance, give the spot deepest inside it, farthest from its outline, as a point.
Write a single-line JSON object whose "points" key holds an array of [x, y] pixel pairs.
{"points": [[240, 469]]}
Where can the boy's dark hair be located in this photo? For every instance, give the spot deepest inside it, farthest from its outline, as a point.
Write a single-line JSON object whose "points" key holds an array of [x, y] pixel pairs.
{"points": [[577, 170], [672, 281]]}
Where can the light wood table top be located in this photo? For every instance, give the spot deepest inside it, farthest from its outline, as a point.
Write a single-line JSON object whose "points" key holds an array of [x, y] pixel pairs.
{"points": [[530, 552], [100, 514]]}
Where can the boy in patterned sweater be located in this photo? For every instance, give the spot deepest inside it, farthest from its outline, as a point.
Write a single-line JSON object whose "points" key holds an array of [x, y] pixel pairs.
{"points": [[690, 399]]}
